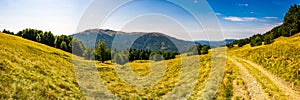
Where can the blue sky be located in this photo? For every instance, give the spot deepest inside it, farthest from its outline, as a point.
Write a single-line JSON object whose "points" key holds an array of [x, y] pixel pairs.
{"points": [[238, 18]]}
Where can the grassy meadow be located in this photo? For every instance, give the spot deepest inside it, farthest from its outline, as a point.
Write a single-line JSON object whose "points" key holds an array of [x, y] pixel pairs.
{"points": [[30, 70], [280, 58]]}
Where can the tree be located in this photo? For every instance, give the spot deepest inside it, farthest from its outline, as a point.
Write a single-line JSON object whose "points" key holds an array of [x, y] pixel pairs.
{"points": [[256, 40], [63, 46], [89, 53], [268, 38], [204, 50], [38, 38], [63, 38], [102, 52], [48, 39], [77, 47], [7, 32], [230, 45]]}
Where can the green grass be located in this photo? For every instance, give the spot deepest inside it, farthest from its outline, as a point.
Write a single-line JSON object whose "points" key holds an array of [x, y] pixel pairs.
{"points": [[280, 58]]}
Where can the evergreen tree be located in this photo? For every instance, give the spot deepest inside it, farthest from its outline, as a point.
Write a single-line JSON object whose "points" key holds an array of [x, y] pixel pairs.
{"points": [[63, 46], [89, 53], [7, 32], [77, 47], [102, 52]]}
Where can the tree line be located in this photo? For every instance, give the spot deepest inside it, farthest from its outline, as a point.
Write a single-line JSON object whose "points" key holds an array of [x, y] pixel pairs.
{"points": [[289, 27], [198, 49], [63, 42], [102, 53]]}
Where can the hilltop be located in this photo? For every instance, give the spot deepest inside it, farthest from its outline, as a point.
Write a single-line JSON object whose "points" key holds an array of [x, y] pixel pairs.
{"points": [[153, 41]]}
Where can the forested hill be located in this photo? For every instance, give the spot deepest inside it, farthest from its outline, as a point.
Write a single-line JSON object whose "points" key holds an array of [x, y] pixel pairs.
{"points": [[153, 41], [290, 26]]}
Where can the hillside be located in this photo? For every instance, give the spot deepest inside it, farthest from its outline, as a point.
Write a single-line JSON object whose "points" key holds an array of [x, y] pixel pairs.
{"points": [[281, 58], [137, 40], [29, 70]]}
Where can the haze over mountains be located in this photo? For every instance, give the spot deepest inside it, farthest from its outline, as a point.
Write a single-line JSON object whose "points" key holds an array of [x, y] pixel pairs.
{"points": [[153, 41]]}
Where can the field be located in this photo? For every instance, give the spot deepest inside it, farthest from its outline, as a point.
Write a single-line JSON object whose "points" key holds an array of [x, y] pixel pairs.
{"points": [[281, 58], [29, 70]]}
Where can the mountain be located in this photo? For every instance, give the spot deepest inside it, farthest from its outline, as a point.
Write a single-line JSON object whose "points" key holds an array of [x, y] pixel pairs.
{"points": [[153, 41], [30, 70], [215, 44]]}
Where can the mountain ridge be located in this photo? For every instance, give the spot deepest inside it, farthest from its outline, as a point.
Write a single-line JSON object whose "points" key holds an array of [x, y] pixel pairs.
{"points": [[141, 40], [119, 40]]}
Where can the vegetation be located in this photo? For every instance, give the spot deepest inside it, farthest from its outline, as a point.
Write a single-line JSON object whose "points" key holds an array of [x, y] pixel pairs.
{"points": [[267, 85], [52, 76], [280, 58], [30, 70], [7, 32], [122, 57], [62, 42], [198, 49], [102, 53], [290, 27], [225, 91]]}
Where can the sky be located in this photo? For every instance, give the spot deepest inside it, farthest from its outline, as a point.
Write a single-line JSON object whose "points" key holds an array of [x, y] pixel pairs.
{"points": [[183, 19]]}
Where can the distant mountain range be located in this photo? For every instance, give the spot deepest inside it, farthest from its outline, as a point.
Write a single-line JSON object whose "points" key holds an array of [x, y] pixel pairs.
{"points": [[215, 44], [153, 41]]}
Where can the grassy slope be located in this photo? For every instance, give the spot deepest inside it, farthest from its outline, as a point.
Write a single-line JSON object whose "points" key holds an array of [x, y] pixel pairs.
{"points": [[168, 81], [32, 70], [280, 58]]}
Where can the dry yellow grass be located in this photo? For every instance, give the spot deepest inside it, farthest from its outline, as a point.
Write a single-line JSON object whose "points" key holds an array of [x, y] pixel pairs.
{"points": [[280, 58], [29, 70]]}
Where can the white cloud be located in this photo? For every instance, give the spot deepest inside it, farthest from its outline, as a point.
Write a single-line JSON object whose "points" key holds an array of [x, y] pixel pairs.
{"points": [[243, 5], [251, 12], [218, 14], [240, 19], [269, 17]]}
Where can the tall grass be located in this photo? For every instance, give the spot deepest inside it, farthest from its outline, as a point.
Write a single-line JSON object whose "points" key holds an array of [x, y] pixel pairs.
{"points": [[29, 70], [280, 58]]}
